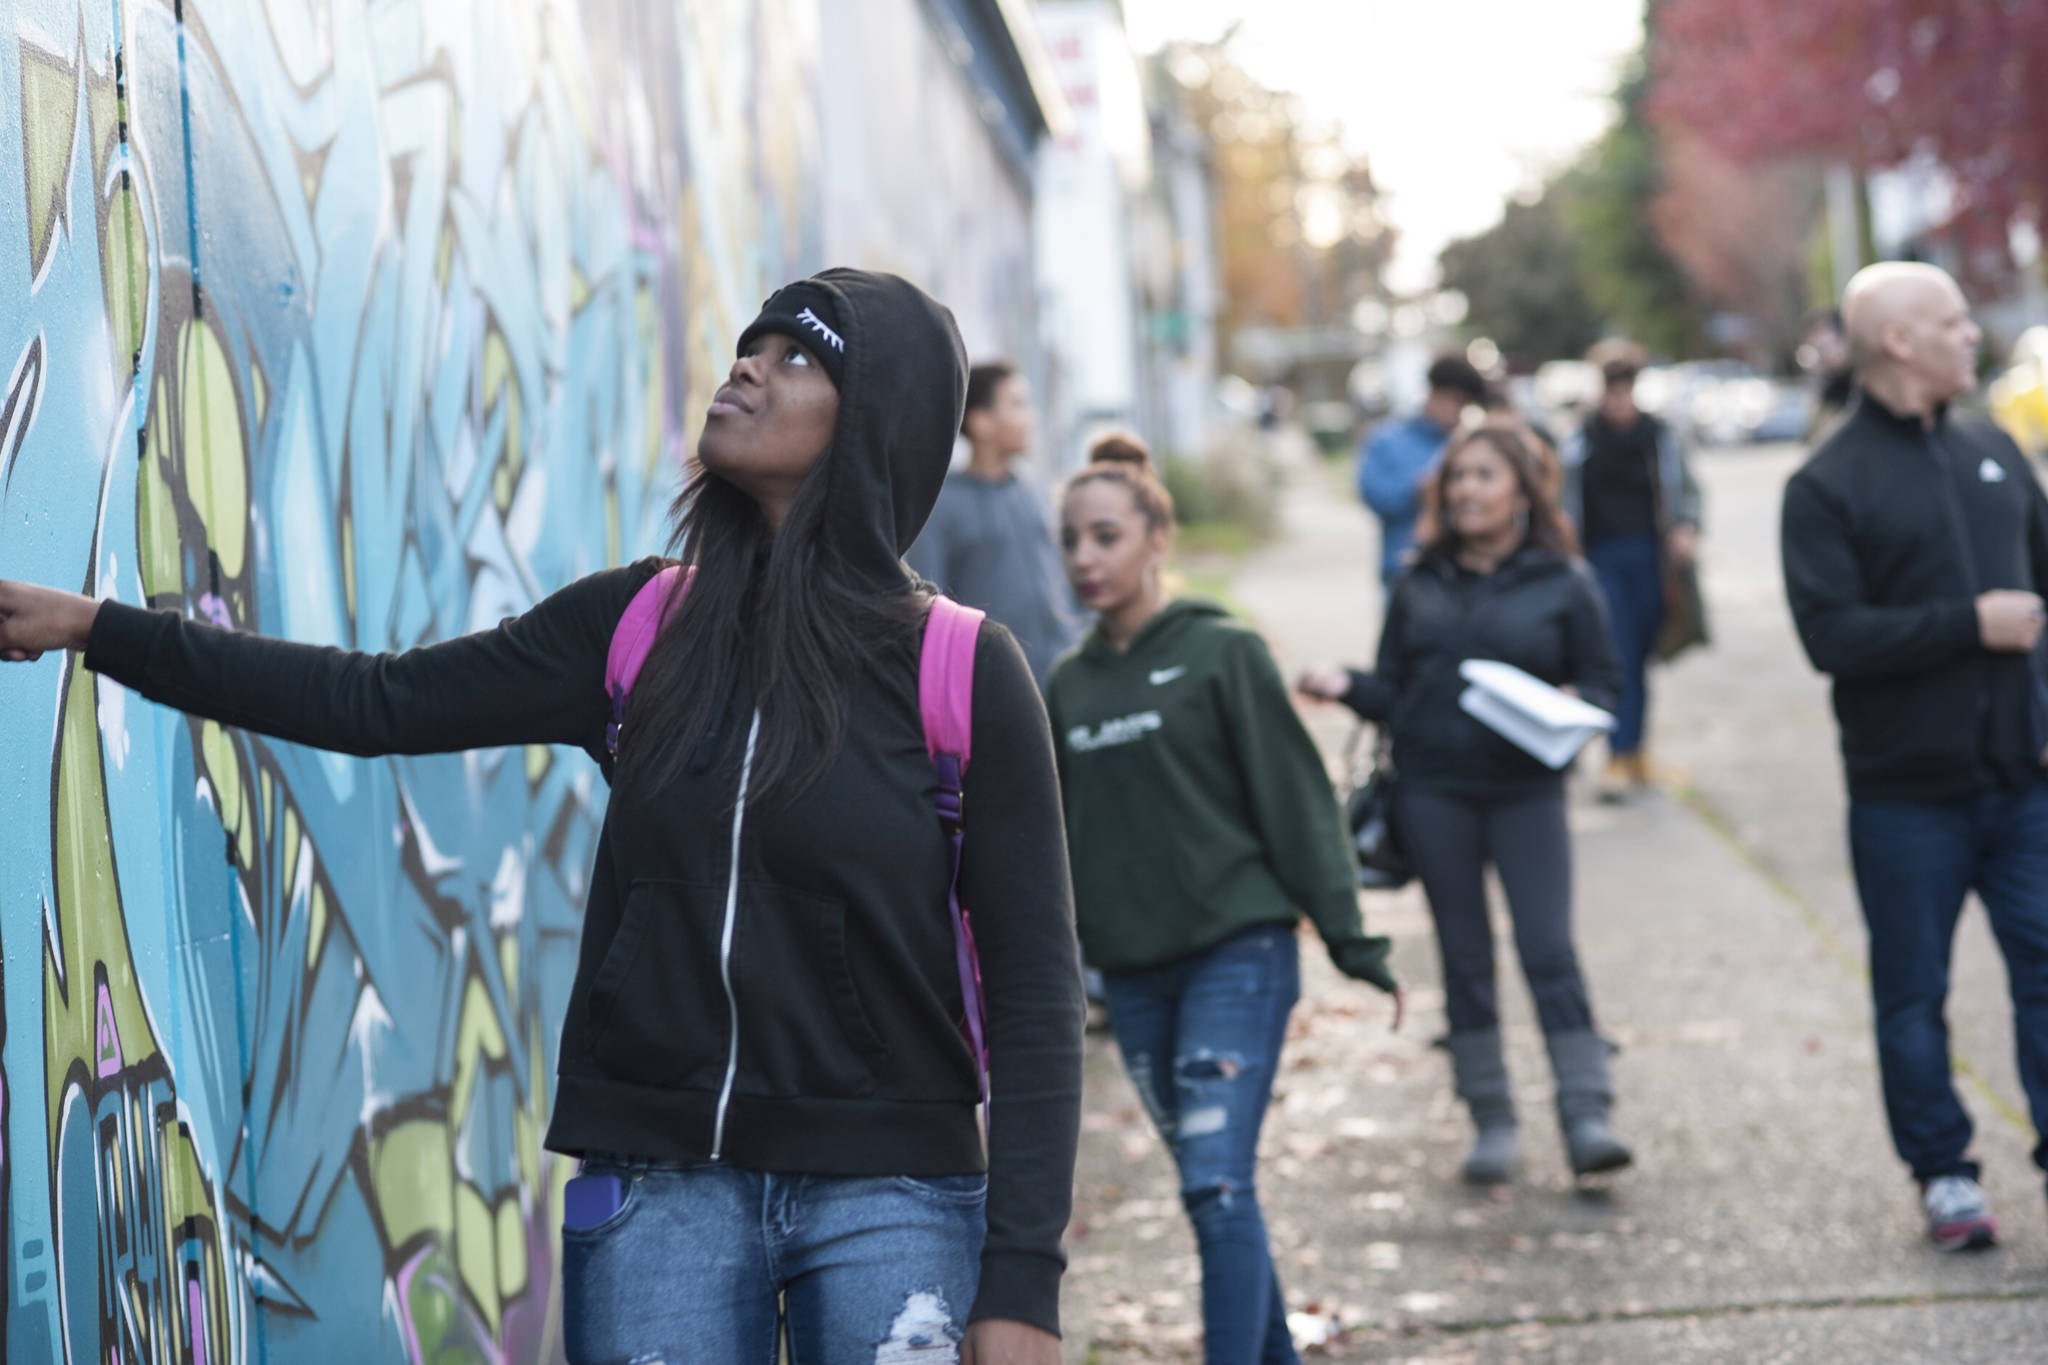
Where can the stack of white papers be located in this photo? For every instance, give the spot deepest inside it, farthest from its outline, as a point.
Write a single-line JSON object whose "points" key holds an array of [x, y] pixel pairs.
{"points": [[1529, 712]]}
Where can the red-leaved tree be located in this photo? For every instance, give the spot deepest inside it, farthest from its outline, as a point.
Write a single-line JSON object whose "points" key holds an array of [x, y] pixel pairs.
{"points": [[1870, 82], [1739, 232]]}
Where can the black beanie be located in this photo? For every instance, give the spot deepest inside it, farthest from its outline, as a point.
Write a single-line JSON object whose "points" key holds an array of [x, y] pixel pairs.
{"points": [[805, 311]]}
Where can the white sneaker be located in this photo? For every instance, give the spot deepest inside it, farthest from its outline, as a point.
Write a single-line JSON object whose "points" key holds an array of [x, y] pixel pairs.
{"points": [[1956, 1217]]}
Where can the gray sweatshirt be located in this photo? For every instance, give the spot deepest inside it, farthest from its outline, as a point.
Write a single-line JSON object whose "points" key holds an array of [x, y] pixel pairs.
{"points": [[990, 545]]}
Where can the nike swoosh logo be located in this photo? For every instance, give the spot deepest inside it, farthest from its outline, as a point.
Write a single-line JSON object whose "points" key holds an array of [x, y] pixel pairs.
{"points": [[1162, 676]]}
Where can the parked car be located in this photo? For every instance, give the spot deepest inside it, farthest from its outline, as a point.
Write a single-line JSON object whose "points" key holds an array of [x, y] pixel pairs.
{"points": [[1564, 389], [1790, 415]]}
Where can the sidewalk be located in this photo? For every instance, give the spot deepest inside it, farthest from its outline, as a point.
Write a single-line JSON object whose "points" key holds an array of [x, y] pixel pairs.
{"points": [[1767, 1218]]}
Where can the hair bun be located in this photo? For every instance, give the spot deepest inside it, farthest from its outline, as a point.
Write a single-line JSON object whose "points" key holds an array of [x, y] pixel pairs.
{"points": [[1120, 447]]}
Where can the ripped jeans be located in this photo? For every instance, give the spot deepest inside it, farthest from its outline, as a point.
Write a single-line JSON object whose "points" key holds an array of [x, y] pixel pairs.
{"points": [[869, 1270], [1201, 1039]]}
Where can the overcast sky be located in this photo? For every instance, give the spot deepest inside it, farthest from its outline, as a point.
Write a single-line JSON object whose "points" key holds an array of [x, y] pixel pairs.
{"points": [[1457, 104]]}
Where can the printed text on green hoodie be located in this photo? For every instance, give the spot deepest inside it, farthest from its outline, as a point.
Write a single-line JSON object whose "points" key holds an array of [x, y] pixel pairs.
{"points": [[1197, 805]]}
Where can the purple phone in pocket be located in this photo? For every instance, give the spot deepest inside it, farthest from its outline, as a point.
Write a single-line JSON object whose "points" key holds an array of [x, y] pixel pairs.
{"points": [[590, 1199]]}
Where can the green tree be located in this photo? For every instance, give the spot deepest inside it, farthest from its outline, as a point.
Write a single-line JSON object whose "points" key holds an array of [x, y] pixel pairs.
{"points": [[1522, 279], [1628, 273]]}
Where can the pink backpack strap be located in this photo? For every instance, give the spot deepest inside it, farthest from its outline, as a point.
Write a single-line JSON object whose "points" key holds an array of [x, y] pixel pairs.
{"points": [[945, 679], [945, 701], [633, 638]]}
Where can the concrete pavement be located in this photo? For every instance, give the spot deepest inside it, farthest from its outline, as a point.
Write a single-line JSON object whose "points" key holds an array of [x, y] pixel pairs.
{"points": [[1767, 1220]]}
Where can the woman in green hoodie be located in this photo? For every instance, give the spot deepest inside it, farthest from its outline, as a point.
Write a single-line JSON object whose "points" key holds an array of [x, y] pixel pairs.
{"points": [[1200, 824]]}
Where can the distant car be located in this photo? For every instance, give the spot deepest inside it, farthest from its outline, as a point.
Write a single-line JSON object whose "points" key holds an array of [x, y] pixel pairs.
{"points": [[1726, 411], [1661, 391], [1565, 386], [1789, 417]]}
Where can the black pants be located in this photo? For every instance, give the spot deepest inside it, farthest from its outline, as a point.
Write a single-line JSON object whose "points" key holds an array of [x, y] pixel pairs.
{"points": [[1451, 840]]}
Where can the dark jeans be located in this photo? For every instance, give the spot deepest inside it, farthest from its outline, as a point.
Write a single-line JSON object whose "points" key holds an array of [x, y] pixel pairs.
{"points": [[1451, 839], [1201, 1038], [1915, 861], [1630, 571], [691, 1264]]}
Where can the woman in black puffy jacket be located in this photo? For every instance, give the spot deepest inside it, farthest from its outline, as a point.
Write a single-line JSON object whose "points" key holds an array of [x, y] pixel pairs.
{"points": [[1499, 580]]}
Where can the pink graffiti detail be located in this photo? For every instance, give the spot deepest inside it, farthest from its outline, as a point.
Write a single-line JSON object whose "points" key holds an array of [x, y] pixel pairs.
{"points": [[216, 611], [406, 1272], [480, 1332], [109, 1041], [195, 1310]]}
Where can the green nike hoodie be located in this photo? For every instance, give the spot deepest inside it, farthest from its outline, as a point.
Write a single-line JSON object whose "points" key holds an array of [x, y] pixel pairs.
{"points": [[1197, 805]]}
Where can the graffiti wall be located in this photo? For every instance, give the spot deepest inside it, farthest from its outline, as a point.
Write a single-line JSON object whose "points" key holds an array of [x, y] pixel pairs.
{"points": [[360, 322]]}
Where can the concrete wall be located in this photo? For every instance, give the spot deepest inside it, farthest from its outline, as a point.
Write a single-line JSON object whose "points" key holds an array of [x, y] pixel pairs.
{"points": [[1090, 190], [911, 179], [363, 322]]}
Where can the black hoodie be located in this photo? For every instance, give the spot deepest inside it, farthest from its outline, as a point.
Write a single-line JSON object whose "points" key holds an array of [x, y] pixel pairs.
{"points": [[1890, 530], [773, 987], [1537, 610]]}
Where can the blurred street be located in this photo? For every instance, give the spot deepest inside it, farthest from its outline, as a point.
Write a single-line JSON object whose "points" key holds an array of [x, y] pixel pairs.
{"points": [[1767, 1219], [372, 325]]}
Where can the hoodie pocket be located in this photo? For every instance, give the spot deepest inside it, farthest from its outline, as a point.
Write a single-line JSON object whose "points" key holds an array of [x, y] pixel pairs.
{"points": [[803, 1030], [657, 1010]]}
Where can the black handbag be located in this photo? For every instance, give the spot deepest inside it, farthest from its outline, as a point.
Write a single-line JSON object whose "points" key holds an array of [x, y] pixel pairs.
{"points": [[1369, 810]]}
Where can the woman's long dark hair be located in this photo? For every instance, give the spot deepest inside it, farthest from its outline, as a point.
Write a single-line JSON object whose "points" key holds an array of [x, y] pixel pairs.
{"points": [[1536, 474], [782, 610]]}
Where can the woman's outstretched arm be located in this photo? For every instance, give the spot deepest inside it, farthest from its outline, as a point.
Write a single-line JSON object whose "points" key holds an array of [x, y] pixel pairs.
{"points": [[534, 679]]}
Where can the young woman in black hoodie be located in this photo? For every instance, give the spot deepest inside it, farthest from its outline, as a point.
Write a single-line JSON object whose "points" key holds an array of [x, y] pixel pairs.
{"points": [[762, 1065], [1497, 581]]}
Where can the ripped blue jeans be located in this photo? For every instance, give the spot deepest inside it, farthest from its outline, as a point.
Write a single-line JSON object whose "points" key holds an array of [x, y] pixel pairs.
{"points": [[1201, 1039], [691, 1264]]}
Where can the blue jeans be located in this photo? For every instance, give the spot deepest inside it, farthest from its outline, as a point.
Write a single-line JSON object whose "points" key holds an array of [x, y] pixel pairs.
{"points": [[1914, 862], [1201, 1038], [692, 1264], [1630, 571]]}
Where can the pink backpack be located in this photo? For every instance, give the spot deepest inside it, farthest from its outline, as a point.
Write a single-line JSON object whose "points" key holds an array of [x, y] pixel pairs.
{"points": [[945, 701]]}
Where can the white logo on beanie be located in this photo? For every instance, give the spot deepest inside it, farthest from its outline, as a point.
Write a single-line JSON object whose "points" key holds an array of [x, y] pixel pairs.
{"points": [[817, 324]]}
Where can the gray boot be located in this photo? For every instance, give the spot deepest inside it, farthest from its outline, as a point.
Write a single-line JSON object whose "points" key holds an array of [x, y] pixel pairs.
{"points": [[1585, 1095], [1481, 1072]]}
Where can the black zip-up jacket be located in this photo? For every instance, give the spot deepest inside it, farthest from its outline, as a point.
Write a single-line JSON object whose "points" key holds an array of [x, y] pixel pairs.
{"points": [[1538, 611], [1890, 530], [772, 987]]}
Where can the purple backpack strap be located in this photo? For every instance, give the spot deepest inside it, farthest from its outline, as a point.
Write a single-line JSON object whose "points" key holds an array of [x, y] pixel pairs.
{"points": [[633, 637], [945, 701]]}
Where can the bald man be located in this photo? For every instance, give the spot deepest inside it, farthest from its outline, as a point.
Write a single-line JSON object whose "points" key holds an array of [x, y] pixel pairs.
{"points": [[1916, 548]]}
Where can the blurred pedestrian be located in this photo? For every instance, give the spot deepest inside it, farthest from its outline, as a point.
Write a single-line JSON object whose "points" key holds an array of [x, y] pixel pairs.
{"points": [[1824, 355], [766, 1011], [1400, 455], [1429, 517], [1199, 818], [989, 543], [1629, 489], [1497, 581], [1916, 552]]}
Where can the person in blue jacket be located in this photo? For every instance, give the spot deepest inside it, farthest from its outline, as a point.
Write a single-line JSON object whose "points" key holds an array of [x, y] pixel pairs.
{"points": [[1400, 456]]}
